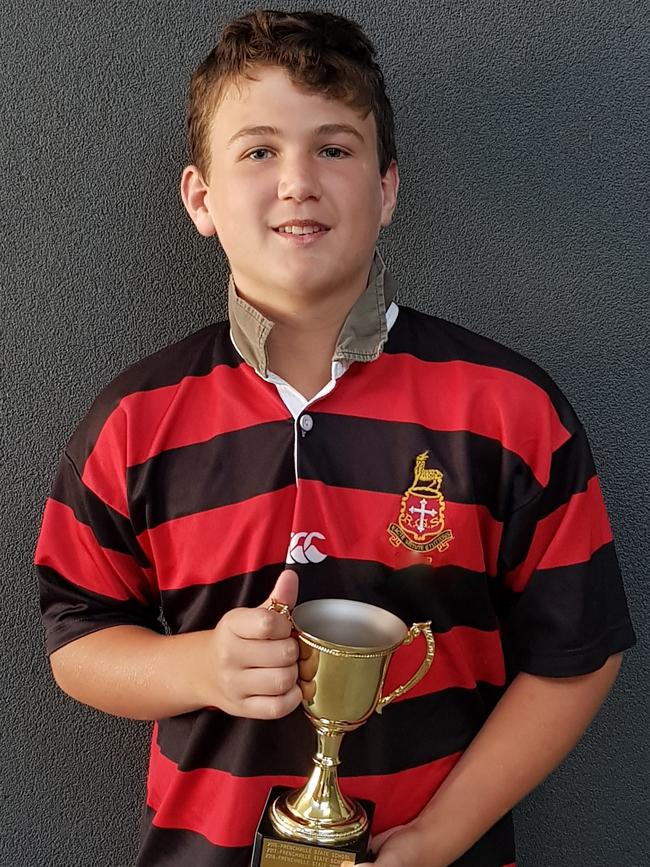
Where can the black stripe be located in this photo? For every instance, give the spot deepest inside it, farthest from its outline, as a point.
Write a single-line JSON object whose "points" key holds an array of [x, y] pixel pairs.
{"points": [[432, 339], [496, 847], [165, 847], [568, 620], [448, 596], [438, 724], [572, 467], [228, 468], [201, 606], [195, 355], [111, 529], [70, 612], [374, 455]]}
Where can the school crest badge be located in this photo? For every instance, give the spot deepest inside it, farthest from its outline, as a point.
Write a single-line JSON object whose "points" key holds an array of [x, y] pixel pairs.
{"points": [[421, 522]]}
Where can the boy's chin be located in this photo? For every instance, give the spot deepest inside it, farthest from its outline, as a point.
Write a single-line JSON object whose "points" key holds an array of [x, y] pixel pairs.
{"points": [[306, 281]]}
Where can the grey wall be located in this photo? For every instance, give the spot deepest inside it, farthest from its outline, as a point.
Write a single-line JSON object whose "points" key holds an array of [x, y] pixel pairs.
{"points": [[523, 148]]}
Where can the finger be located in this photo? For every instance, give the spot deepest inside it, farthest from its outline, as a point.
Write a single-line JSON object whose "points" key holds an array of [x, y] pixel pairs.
{"points": [[272, 706], [258, 623], [263, 653], [268, 681], [380, 839], [285, 590], [308, 689], [308, 663]]}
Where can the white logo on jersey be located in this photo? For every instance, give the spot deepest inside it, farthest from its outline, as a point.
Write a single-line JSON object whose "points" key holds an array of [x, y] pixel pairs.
{"points": [[303, 550]]}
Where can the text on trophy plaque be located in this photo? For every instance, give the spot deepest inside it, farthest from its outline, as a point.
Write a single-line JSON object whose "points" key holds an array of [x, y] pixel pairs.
{"points": [[278, 853]]}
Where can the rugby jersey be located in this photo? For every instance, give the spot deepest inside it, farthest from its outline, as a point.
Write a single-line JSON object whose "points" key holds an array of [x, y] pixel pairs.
{"points": [[439, 476]]}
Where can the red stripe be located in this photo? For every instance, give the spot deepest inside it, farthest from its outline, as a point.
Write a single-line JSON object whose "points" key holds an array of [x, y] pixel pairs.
{"points": [[209, 546], [72, 550], [456, 396], [355, 524], [231, 540], [463, 657], [194, 410], [569, 535], [226, 809], [105, 472], [402, 796]]}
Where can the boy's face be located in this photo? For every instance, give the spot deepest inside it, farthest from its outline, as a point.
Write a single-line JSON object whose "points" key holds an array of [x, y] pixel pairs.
{"points": [[317, 160]]}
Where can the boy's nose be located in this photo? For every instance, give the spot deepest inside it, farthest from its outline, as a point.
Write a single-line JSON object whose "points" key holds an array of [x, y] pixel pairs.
{"points": [[299, 181]]}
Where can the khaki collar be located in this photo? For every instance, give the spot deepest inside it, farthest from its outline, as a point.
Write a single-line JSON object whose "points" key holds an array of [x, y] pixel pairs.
{"points": [[362, 337]]}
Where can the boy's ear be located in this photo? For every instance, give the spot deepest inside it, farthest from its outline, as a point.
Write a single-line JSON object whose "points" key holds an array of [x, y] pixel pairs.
{"points": [[389, 190], [193, 192]]}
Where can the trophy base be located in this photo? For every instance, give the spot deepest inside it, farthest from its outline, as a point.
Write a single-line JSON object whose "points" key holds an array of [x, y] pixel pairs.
{"points": [[273, 850]]}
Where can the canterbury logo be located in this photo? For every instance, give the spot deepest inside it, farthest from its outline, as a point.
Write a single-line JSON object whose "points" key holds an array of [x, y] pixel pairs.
{"points": [[303, 550]]}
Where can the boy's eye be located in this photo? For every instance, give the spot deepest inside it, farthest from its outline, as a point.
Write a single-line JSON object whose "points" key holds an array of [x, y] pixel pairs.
{"points": [[333, 152], [255, 155]]}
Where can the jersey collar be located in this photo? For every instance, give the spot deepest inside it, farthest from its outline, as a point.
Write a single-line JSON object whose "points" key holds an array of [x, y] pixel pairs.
{"points": [[362, 337]]}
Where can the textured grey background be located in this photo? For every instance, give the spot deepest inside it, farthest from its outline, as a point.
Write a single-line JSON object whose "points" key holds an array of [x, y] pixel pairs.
{"points": [[522, 130]]}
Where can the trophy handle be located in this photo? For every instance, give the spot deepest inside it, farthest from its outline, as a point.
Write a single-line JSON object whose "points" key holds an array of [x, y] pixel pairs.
{"points": [[414, 631]]}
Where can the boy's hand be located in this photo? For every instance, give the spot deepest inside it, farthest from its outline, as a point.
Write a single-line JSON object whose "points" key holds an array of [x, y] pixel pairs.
{"points": [[403, 846], [252, 659]]}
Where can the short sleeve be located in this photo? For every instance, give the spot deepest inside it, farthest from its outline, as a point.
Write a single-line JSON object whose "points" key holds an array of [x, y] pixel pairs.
{"points": [[92, 572], [564, 610]]}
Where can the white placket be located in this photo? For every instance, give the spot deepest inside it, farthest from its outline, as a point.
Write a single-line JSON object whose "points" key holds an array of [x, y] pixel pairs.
{"points": [[297, 403]]}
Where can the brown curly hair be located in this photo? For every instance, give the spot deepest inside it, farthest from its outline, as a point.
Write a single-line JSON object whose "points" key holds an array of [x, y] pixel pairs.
{"points": [[321, 52]]}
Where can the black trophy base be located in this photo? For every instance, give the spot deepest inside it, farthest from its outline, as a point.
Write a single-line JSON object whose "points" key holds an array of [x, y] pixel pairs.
{"points": [[273, 850]]}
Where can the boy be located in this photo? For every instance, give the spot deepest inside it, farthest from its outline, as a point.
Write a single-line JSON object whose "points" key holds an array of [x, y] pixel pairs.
{"points": [[385, 455]]}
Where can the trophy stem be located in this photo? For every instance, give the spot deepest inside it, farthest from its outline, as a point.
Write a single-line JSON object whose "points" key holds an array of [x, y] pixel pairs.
{"points": [[320, 811], [322, 788]]}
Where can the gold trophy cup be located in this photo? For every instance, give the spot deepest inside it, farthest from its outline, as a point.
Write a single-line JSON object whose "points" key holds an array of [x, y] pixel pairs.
{"points": [[345, 649]]}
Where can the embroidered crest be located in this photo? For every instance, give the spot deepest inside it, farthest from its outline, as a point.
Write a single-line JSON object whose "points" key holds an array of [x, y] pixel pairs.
{"points": [[421, 522]]}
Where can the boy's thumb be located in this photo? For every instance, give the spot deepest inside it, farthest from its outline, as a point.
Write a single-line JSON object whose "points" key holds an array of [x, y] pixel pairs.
{"points": [[285, 590]]}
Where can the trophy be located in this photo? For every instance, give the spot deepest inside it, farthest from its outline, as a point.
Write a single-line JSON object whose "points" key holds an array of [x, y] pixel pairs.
{"points": [[345, 648]]}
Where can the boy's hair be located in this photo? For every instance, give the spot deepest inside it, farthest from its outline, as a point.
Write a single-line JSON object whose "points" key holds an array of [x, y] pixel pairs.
{"points": [[321, 52]]}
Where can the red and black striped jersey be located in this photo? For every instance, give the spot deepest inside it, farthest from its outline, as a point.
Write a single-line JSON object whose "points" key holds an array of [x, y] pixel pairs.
{"points": [[446, 480]]}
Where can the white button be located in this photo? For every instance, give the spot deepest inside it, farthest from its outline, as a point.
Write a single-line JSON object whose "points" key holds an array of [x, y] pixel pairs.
{"points": [[306, 422]]}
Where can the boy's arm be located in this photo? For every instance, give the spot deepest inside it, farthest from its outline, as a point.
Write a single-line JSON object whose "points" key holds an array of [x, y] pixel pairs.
{"points": [[246, 666], [534, 726]]}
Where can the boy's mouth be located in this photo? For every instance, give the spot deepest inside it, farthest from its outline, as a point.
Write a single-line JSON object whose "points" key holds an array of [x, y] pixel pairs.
{"points": [[300, 228]]}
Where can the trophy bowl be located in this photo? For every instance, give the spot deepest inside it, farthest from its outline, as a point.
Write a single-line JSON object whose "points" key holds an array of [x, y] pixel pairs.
{"points": [[345, 649]]}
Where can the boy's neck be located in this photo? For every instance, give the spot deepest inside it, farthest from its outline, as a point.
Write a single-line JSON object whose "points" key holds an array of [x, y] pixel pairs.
{"points": [[302, 341], [301, 352]]}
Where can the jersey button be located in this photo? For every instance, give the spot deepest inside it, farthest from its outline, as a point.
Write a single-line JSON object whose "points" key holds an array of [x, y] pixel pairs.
{"points": [[306, 422]]}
